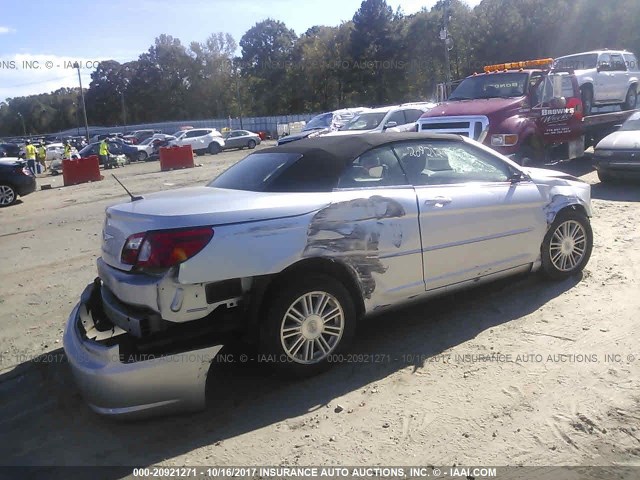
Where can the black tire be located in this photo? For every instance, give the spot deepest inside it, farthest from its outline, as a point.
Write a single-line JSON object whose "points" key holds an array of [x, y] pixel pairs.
{"points": [[604, 177], [586, 92], [251, 144], [8, 195], [551, 250], [528, 155], [142, 156], [631, 100], [214, 148], [287, 296]]}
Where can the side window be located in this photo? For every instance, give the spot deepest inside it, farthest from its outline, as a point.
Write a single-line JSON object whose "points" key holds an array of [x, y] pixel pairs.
{"points": [[631, 62], [413, 115], [535, 88], [397, 117], [445, 163], [376, 168], [617, 63], [192, 133], [604, 61]]}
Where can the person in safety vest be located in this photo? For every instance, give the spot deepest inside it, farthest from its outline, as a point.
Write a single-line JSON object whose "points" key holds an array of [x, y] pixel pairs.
{"points": [[42, 156], [30, 154], [67, 149], [103, 152]]}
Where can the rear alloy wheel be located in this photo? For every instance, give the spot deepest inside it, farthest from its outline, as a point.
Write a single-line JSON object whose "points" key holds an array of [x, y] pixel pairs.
{"points": [[251, 144], [587, 100], [142, 156], [307, 322], [631, 100], [214, 148], [567, 245], [7, 195]]}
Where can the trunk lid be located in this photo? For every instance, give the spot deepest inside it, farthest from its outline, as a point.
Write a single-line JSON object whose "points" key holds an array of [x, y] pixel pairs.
{"points": [[198, 206]]}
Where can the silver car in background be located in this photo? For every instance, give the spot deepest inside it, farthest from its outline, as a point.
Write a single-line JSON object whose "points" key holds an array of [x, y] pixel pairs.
{"points": [[241, 139], [295, 245]]}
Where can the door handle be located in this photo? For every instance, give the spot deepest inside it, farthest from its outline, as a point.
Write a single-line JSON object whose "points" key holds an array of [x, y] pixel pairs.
{"points": [[437, 202]]}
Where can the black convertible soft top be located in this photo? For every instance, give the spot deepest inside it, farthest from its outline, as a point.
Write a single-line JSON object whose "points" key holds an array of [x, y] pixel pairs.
{"points": [[341, 149], [315, 163]]}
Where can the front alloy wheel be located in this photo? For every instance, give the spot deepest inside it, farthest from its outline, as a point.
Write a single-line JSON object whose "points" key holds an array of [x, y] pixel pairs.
{"points": [[308, 321], [567, 246]]}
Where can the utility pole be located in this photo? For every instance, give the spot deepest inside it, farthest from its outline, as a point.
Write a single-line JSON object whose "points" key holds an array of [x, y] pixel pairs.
{"points": [[84, 107], [238, 97], [444, 35], [124, 113]]}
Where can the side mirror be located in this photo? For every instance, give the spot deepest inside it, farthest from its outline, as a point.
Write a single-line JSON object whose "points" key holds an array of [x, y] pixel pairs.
{"points": [[390, 124]]}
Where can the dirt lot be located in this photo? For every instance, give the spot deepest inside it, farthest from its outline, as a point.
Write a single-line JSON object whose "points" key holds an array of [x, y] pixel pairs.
{"points": [[543, 393]]}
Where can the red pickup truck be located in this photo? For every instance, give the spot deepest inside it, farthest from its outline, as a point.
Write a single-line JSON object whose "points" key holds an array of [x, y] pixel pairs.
{"points": [[520, 109]]}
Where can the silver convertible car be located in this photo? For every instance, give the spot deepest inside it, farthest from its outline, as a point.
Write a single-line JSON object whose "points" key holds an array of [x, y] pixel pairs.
{"points": [[295, 245]]}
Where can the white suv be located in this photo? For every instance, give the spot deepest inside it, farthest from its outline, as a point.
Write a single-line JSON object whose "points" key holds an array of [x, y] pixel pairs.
{"points": [[201, 140], [397, 118], [606, 77]]}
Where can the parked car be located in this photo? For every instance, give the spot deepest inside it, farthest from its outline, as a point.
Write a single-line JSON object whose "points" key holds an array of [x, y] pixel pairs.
{"points": [[323, 123], [352, 225], [16, 180], [150, 146], [9, 150], [202, 140], [140, 135], [241, 139], [55, 151], [606, 77], [617, 156], [394, 119]]}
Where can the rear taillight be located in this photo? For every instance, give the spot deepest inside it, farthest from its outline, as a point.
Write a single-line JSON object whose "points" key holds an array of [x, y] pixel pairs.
{"points": [[164, 248], [24, 171]]}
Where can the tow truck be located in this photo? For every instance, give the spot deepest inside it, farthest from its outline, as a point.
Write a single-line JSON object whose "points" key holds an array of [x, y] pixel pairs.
{"points": [[525, 110]]}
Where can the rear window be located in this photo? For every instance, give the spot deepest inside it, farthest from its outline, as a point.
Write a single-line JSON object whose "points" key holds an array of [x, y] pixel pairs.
{"points": [[256, 173]]}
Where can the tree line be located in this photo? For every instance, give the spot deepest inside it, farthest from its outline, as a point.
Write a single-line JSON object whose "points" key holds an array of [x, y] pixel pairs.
{"points": [[379, 57]]}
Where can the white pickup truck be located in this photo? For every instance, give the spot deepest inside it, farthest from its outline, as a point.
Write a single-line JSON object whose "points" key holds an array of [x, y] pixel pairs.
{"points": [[606, 77]]}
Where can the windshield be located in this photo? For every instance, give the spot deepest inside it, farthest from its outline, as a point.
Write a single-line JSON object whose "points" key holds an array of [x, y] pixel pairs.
{"points": [[365, 121], [146, 141], [577, 62], [256, 172], [494, 85], [320, 121]]}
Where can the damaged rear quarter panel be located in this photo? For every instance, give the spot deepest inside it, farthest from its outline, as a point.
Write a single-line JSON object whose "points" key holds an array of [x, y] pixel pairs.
{"points": [[374, 232]]}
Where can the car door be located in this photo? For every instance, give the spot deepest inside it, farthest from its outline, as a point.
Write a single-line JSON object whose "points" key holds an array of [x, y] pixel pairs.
{"points": [[233, 140], [189, 138], [604, 90], [372, 226], [620, 77], [475, 218]]}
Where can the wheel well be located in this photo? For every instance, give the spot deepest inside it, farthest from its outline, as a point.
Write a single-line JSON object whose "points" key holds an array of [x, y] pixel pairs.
{"points": [[575, 207], [326, 266]]}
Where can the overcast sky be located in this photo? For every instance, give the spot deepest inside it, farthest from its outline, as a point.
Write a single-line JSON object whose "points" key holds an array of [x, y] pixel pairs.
{"points": [[58, 33]]}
